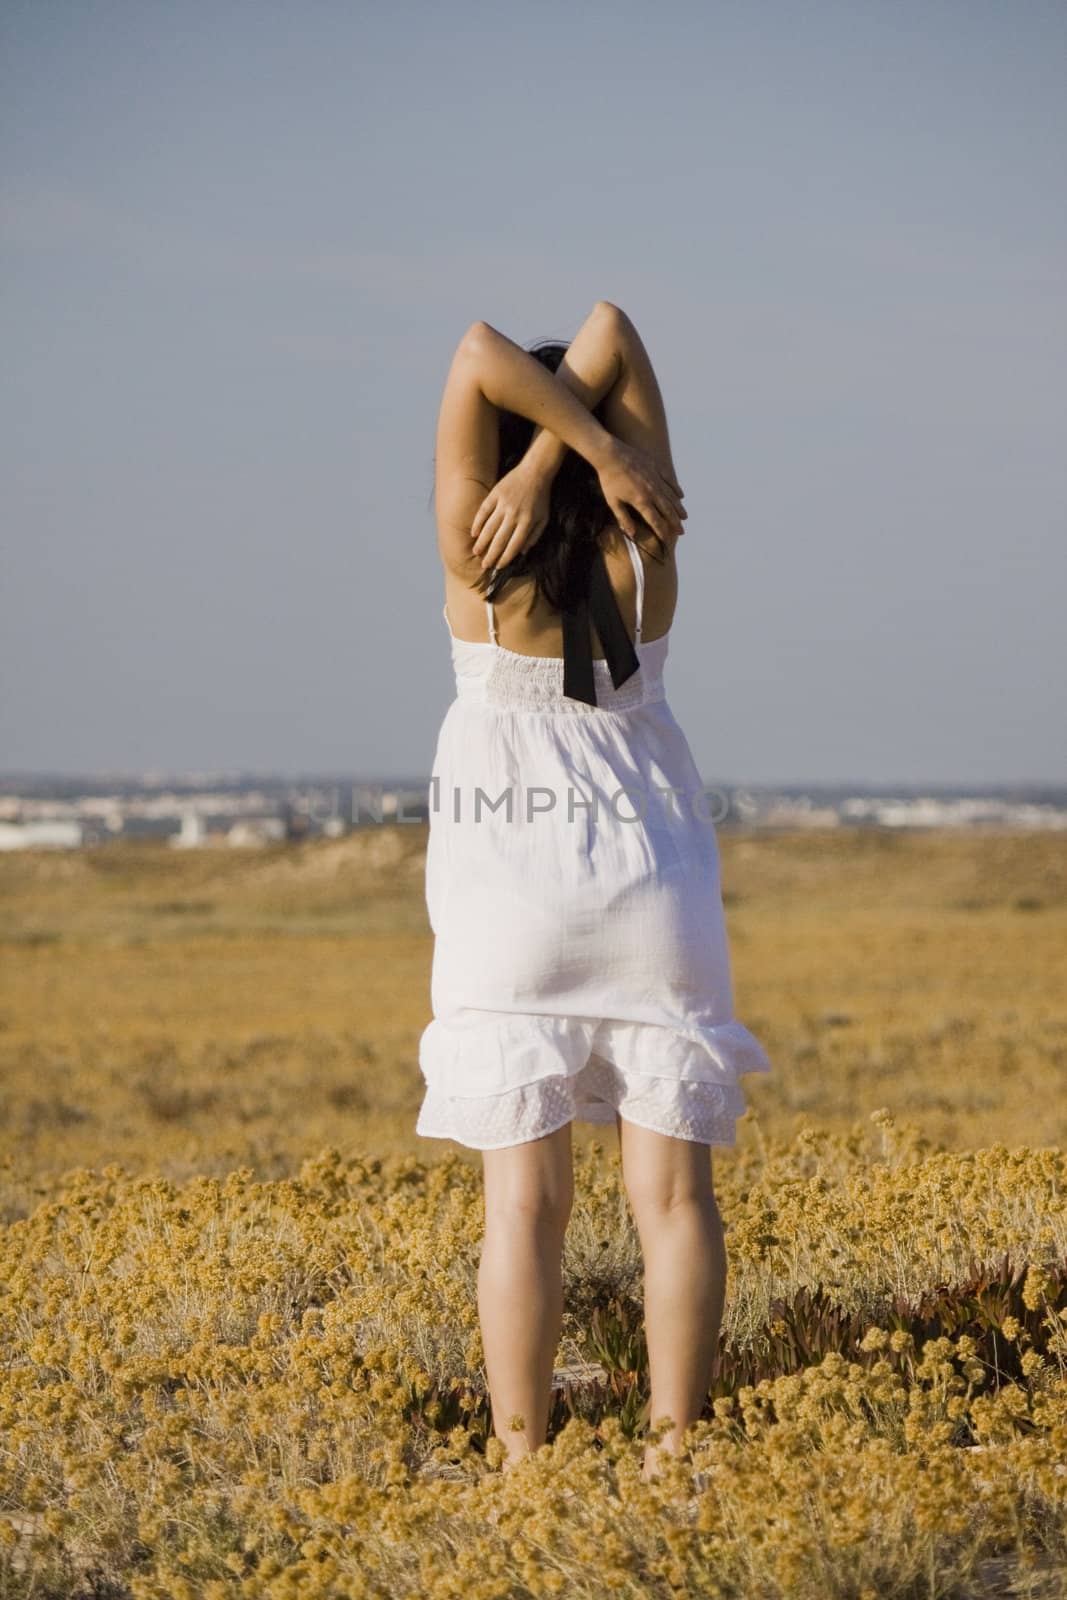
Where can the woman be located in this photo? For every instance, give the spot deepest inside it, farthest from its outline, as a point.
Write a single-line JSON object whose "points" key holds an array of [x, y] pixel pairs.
{"points": [[581, 967]]}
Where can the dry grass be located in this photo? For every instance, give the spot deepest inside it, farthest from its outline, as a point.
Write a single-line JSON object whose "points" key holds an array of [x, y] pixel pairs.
{"points": [[242, 1353]]}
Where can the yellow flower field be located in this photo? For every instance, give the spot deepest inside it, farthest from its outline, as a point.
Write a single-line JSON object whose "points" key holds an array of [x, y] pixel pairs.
{"points": [[241, 1349]]}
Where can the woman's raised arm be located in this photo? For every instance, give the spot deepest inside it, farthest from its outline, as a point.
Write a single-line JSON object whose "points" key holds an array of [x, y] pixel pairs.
{"points": [[467, 453], [634, 411], [631, 476], [512, 380], [590, 368], [490, 373], [605, 361]]}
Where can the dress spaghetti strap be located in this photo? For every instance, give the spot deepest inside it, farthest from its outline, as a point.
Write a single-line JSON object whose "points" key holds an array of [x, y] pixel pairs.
{"points": [[639, 573], [492, 621]]}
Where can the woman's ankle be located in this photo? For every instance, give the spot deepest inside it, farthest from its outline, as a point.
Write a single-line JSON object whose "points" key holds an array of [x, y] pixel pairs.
{"points": [[514, 1455], [657, 1456]]}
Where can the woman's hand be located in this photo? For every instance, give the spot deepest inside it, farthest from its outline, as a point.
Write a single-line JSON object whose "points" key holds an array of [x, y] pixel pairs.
{"points": [[631, 479], [513, 515]]}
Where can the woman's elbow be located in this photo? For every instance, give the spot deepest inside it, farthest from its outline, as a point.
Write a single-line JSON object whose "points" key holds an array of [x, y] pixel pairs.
{"points": [[477, 336], [610, 311]]}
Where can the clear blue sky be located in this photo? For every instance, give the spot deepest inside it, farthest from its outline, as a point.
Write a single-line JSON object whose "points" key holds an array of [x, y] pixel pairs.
{"points": [[240, 242]]}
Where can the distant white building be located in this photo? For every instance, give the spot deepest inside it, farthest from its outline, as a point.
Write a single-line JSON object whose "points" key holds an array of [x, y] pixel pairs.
{"points": [[256, 832], [54, 835], [193, 831]]}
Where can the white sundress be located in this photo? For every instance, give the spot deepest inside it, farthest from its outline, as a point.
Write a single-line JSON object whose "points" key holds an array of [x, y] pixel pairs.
{"points": [[581, 964]]}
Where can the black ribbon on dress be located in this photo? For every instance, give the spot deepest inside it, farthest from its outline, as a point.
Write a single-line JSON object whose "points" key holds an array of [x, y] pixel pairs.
{"points": [[600, 605]]}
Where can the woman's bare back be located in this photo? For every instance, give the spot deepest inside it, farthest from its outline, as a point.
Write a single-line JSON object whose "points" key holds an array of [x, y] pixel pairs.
{"points": [[540, 633]]}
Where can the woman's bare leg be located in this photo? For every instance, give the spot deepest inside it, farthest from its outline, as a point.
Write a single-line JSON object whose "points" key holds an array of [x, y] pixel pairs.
{"points": [[669, 1183], [529, 1190]]}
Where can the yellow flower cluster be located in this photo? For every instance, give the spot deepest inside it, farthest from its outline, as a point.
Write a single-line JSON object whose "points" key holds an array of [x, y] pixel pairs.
{"points": [[272, 1389]]}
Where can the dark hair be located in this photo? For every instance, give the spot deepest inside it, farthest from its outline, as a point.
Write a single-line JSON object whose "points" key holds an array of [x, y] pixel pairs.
{"points": [[559, 562]]}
